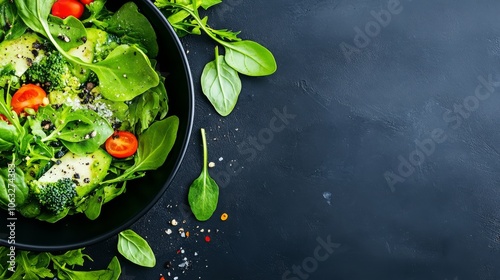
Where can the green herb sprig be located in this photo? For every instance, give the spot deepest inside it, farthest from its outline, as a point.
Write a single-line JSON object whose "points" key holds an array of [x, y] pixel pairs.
{"points": [[219, 84]]}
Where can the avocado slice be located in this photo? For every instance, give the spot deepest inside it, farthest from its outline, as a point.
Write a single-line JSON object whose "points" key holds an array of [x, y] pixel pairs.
{"points": [[21, 52], [87, 171]]}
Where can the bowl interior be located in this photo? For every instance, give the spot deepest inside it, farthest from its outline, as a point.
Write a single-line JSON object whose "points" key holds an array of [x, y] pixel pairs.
{"points": [[77, 231]]}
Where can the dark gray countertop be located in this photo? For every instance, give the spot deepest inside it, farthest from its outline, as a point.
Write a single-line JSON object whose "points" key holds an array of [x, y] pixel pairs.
{"points": [[372, 153]]}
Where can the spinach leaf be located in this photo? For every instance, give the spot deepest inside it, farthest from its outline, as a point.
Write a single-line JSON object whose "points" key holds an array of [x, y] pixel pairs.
{"points": [[8, 136], [203, 193], [68, 32], [250, 58], [95, 203], [221, 84], [125, 73], [135, 248], [50, 217], [12, 186], [133, 28], [155, 144], [81, 131], [146, 107]]}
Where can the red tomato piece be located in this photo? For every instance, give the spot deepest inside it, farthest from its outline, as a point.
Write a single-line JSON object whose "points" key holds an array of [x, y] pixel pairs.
{"points": [[121, 144], [28, 96], [86, 2], [66, 8]]}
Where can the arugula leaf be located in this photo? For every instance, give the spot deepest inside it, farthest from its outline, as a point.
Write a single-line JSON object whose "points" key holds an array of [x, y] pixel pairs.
{"points": [[221, 84], [112, 272], [31, 266], [135, 248], [209, 3], [118, 74], [72, 257], [44, 265], [98, 13], [112, 191], [203, 193]]}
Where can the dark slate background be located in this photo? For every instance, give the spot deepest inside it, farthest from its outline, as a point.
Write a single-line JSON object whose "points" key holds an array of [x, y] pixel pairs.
{"points": [[390, 152]]}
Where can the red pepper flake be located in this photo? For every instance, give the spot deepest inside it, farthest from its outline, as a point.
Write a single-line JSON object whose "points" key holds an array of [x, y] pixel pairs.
{"points": [[162, 277], [178, 251], [207, 239]]}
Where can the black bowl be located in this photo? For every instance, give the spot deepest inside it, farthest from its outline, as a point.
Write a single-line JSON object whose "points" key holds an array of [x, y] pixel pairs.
{"points": [[77, 231]]}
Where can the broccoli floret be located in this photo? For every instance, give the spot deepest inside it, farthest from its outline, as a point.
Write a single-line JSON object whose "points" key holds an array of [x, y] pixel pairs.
{"points": [[53, 72], [56, 196]]}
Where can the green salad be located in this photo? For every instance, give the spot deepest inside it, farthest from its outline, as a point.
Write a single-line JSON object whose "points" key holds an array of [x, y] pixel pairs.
{"points": [[83, 109]]}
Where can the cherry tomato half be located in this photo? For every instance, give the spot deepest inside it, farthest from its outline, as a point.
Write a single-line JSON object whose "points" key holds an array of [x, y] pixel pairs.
{"points": [[28, 96], [66, 8], [86, 2], [121, 144]]}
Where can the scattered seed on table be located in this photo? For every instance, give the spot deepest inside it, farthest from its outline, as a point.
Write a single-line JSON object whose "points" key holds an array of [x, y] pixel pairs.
{"points": [[224, 216]]}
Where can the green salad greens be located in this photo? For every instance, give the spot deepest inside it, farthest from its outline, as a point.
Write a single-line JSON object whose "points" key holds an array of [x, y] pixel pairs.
{"points": [[99, 93]]}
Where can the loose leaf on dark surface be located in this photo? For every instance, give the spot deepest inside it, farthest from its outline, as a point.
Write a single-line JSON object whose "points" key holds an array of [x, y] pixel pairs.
{"points": [[135, 249], [250, 58], [221, 84], [203, 193]]}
